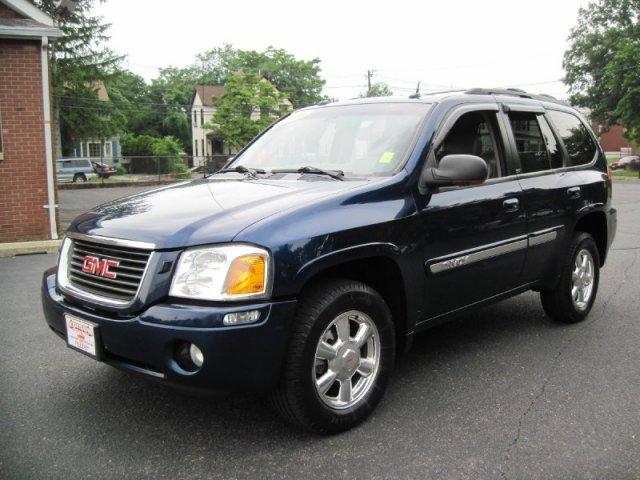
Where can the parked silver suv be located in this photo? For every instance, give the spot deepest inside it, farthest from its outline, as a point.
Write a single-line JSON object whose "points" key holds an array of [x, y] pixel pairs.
{"points": [[74, 170]]}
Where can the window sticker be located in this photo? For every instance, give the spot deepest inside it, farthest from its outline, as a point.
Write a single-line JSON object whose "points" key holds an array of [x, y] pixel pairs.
{"points": [[386, 157]]}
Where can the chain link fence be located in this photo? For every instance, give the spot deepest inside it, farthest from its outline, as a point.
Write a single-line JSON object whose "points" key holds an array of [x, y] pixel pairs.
{"points": [[136, 169]]}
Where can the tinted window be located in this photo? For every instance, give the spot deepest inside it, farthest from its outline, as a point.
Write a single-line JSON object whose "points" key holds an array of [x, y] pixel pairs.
{"points": [[555, 155], [575, 136], [530, 143], [472, 134]]}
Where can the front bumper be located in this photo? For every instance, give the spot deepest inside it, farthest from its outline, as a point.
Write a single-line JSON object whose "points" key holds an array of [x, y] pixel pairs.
{"points": [[241, 358]]}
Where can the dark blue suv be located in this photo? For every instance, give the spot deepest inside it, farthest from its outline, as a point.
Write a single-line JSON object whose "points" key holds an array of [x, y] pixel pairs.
{"points": [[307, 264]]}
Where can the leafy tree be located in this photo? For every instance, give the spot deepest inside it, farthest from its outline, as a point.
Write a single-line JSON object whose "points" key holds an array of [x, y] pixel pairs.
{"points": [[603, 63], [379, 89], [79, 60], [298, 80], [249, 105]]}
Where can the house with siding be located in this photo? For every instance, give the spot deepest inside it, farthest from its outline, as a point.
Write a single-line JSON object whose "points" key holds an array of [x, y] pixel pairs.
{"points": [[105, 150], [27, 173], [206, 142]]}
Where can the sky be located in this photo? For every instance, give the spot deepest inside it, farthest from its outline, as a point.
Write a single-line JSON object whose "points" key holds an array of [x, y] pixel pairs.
{"points": [[444, 45]]}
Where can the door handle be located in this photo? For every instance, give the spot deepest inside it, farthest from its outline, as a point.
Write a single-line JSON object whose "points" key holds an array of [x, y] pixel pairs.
{"points": [[574, 192], [511, 204]]}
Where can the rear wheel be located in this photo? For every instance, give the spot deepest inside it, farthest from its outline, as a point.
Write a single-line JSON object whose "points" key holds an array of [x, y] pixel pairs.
{"points": [[573, 297], [79, 177], [341, 353]]}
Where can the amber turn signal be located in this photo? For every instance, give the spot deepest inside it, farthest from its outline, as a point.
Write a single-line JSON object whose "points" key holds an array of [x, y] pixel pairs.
{"points": [[246, 275]]}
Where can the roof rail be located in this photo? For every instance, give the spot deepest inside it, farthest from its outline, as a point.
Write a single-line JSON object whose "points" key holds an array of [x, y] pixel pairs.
{"points": [[515, 92]]}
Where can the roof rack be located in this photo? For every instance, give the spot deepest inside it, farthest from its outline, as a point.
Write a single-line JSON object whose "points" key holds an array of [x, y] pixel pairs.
{"points": [[515, 92]]}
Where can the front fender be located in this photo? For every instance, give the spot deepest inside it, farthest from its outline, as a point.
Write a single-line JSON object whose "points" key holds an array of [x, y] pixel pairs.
{"points": [[344, 255]]}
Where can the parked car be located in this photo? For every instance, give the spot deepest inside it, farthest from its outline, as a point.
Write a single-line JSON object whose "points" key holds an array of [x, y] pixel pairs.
{"points": [[103, 170], [307, 264], [74, 170], [630, 162]]}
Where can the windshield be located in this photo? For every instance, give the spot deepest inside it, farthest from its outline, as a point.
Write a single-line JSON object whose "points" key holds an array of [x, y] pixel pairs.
{"points": [[365, 139]]}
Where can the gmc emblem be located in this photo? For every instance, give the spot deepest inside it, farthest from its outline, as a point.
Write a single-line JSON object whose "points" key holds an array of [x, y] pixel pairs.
{"points": [[99, 266]]}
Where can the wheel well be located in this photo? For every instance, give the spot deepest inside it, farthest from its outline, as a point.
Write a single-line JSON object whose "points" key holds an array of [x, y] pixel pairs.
{"points": [[384, 276], [595, 224]]}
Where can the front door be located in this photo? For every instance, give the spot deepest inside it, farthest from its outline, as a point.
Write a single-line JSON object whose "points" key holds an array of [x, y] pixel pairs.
{"points": [[475, 236]]}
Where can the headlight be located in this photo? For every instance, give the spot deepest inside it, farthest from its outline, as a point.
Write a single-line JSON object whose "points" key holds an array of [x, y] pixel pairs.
{"points": [[226, 272]]}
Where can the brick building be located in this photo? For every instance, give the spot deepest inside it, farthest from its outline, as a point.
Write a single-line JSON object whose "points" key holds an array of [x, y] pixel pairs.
{"points": [[27, 184]]}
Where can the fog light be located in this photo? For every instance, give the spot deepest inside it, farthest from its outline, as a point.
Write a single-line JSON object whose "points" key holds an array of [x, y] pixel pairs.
{"points": [[197, 357], [239, 318]]}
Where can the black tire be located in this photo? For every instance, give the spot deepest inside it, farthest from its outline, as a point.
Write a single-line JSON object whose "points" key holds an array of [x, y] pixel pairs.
{"points": [[296, 398], [79, 177], [558, 303]]}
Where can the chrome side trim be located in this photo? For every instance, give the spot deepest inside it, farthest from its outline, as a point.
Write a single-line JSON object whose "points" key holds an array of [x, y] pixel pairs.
{"points": [[485, 254], [118, 242], [540, 238], [66, 287]]}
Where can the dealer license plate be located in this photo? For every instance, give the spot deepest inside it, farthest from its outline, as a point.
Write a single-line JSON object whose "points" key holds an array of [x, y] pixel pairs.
{"points": [[82, 335]]}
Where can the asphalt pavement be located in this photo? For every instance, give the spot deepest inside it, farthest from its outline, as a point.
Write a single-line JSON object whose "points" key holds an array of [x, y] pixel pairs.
{"points": [[501, 393]]}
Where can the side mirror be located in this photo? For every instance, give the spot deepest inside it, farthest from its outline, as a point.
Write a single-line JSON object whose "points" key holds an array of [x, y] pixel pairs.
{"points": [[455, 170]]}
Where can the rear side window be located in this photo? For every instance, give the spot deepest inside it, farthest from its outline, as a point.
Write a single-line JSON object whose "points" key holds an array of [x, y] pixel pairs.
{"points": [[555, 155], [530, 142], [575, 136]]}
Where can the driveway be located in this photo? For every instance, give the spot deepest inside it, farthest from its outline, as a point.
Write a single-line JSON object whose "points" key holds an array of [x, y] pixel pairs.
{"points": [[74, 202], [501, 393]]}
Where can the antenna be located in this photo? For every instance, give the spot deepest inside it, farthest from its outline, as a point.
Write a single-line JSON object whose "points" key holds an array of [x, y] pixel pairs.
{"points": [[417, 94]]}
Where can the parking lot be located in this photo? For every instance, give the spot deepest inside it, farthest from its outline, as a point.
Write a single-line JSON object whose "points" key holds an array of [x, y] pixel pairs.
{"points": [[501, 393]]}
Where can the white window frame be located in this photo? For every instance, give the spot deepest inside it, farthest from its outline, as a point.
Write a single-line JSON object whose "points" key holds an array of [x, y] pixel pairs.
{"points": [[89, 144]]}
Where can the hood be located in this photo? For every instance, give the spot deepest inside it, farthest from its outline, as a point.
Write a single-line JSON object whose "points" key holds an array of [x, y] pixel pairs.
{"points": [[202, 211]]}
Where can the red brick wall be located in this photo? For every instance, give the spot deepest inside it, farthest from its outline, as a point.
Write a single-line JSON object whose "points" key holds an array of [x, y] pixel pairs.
{"points": [[614, 139], [23, 182]]}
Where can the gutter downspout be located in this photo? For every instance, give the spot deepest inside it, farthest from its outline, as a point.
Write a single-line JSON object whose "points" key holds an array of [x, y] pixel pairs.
{"points": [[46, 106]]}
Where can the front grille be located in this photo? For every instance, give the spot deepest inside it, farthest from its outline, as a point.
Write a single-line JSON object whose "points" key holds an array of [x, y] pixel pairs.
{"points": [[129, 272]]}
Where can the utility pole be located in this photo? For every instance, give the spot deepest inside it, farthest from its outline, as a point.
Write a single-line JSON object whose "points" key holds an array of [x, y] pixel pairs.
{"points": [[369, 75]]}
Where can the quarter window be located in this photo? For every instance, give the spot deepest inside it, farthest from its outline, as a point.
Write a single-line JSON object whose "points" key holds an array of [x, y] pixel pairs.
{"points": [[473, 134], [575, 136], [530, 142]]}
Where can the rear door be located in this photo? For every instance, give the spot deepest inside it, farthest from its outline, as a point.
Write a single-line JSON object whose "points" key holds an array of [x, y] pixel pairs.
{"points": [[474, 236], [550, 190]]}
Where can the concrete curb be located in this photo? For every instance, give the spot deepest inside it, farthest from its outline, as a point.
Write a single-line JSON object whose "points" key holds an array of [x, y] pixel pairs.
{"points": [[28, 248]]}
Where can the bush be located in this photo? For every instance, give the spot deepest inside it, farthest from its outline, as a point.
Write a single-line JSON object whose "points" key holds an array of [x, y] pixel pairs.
{"points": [[154, 155]]}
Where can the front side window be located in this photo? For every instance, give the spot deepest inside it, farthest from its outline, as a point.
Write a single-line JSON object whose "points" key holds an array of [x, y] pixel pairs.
{"points": [[364, 139], [530, 143], [473, 134], [575, 136]]}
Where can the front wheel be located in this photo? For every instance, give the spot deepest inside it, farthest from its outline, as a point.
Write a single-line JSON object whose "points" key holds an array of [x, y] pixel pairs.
{"points": [[573, 297], [340, 357], [79, 177]]}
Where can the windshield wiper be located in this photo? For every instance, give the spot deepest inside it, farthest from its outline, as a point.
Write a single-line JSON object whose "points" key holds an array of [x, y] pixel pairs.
{"points": [[252, 172], [337, 174]]}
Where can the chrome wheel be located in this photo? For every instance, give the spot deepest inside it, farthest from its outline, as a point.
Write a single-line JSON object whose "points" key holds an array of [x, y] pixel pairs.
{"points": [[582, 279], [347, 360]]}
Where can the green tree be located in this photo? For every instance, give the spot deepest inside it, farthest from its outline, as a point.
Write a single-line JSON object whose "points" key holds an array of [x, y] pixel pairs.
{"points": [[249, 105], [602, 63], [379, 89], [298, 80], [79, 60]]}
